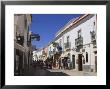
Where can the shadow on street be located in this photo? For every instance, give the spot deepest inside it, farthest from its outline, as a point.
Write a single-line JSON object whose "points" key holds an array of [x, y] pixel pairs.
{"points": [[37, 71]]}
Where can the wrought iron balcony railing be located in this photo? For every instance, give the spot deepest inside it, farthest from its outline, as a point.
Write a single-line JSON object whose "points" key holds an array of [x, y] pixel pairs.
{"points": [[93, 36], [67, 45], [50, 52], [79, 41]]}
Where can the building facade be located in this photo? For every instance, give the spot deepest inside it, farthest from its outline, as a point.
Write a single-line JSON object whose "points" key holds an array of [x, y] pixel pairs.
{"points": [[78, 41], [37, 55], [40, 54], [21, 43]]}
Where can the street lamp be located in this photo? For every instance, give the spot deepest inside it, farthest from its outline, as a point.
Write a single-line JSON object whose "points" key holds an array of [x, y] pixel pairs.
{"points": [[20, 39]]}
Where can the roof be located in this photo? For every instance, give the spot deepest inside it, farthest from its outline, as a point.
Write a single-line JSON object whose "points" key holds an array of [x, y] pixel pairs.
{"points": [[71, 23]]}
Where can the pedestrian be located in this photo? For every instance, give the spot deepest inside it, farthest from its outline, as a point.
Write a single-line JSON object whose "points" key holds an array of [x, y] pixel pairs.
{"points": [[42, 64], [57, 63], [68, 60], [64, 64], [60, 65]]}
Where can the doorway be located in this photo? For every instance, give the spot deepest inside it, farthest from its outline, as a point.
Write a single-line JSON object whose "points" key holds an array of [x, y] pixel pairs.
{"points": [[73, 61], [95, 63], [80, 62]]}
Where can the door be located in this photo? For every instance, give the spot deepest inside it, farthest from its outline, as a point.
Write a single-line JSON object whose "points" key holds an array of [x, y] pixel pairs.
{"points": [[80, 62], [73, 61], [95, 63], [17, 63]]}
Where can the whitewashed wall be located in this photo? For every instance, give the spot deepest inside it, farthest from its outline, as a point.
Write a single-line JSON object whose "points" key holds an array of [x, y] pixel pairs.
{"points": [[50, 46], [38, 53], [85, 27]]}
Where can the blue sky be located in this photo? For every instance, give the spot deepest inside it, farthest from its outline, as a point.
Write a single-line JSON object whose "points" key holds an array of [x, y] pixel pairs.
{"points": [[46, 25]]}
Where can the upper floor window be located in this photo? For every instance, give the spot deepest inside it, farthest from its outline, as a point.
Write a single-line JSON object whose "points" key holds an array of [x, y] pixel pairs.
{"points": [[60, 42], [79, 33], [50, 48], [67, 39], [94, 23]]}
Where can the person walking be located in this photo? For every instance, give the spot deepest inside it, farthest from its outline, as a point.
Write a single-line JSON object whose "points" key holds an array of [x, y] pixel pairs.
{"points": [[57, 63], [68, 60], [66, 63], [60, 66], [63, 62]]}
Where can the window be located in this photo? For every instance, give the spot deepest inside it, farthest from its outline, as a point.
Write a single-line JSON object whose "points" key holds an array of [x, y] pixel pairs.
{"points": [[60, 42], [86, 57], [94, 23], [94, 26], [67, 39], [50, 48], [79, 33]]}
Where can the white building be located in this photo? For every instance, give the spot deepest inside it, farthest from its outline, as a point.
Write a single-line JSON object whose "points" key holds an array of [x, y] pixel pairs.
{"points": [[78, 41], [37, 55], [40, 54]]}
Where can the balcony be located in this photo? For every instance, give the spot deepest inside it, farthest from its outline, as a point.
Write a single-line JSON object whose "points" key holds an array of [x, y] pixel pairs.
{"points": [[79, 41], [67, 45], [93, 36], [94, 44], [50, 52]]}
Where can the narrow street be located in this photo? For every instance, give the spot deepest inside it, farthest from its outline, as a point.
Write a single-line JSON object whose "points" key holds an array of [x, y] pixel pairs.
{"points": [[65, 53], [37, 71]]}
